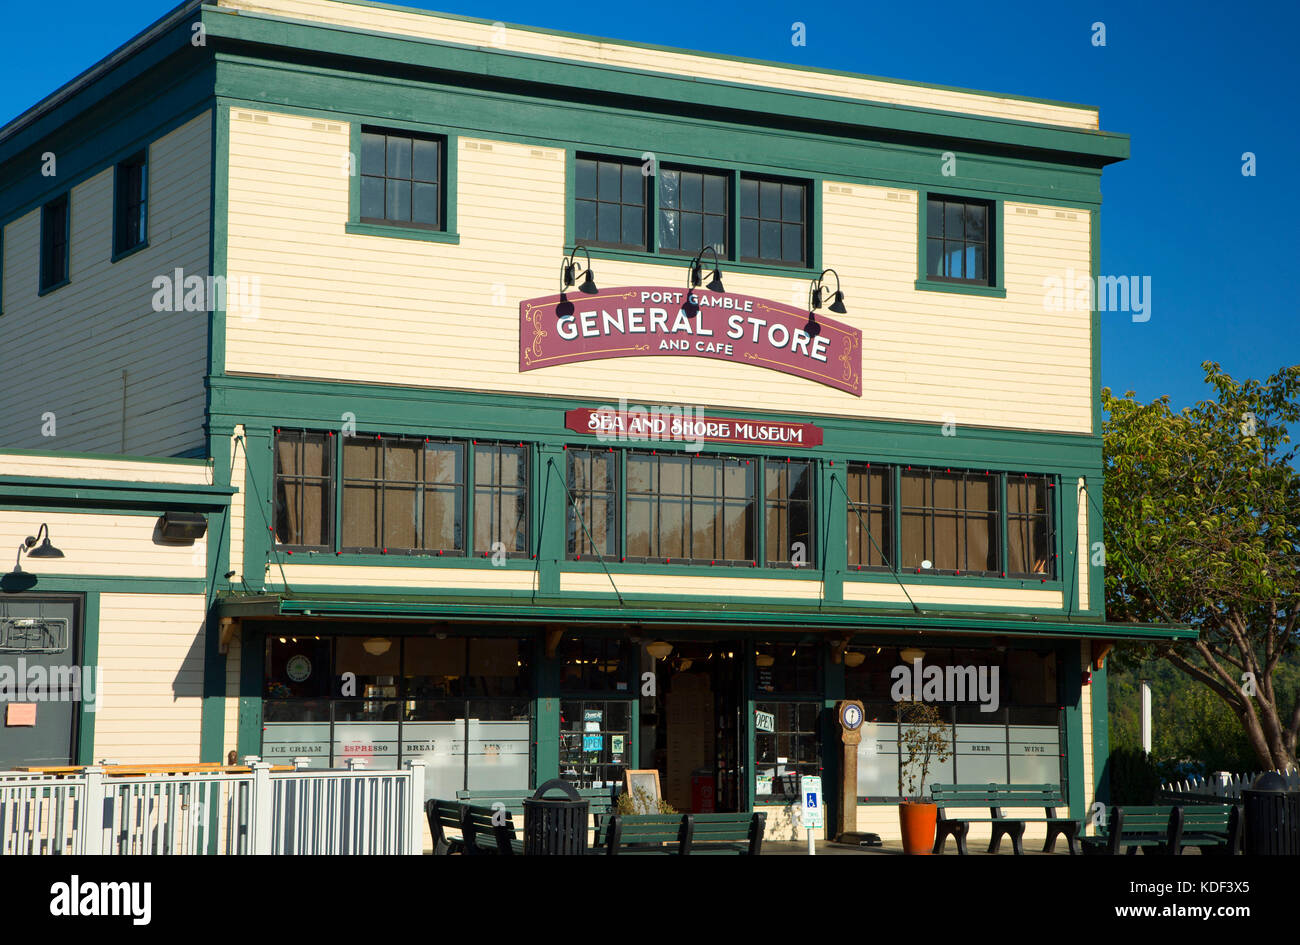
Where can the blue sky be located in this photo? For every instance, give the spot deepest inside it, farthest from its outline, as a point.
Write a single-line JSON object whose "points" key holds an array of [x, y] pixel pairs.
{"points": [[1194, 84]]}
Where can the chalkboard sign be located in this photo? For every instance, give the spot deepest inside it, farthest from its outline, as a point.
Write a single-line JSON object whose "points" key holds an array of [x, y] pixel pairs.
{"points": [[643, 789]]}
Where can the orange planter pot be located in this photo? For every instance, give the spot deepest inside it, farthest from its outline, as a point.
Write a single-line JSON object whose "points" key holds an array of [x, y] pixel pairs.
{"points": [[917, 822]]}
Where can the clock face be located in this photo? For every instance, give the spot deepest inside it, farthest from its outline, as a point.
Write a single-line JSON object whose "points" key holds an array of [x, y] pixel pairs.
{"points": [[851, 716]]}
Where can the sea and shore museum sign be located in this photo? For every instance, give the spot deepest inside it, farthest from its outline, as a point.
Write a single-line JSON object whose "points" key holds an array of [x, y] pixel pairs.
{"points": [[641, 321]]}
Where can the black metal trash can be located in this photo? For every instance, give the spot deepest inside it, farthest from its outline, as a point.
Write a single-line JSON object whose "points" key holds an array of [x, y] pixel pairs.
{"points": [[555, 826], [1272, 817]]}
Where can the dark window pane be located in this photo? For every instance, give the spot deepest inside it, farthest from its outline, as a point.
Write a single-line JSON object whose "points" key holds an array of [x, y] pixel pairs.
{"points": [[609, 181], [585, 219], [633, 183], [749, 239], [691, 234], [791, 242], [692, 191], [976, 215], [668, 234], [425, 165], [954, 226], [372, 198], [934, 257], [399, 157], [792, 203], [424, 207], [715, 234], [586, 175], [770, 200], [399, 201], [633, 225], [669, 188], [372, 154], [934, 218], [610, 224], [715, 193], [769, 246], [748, 197]]}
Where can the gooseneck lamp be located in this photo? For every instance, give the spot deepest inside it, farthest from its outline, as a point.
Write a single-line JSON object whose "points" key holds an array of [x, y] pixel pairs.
{"points": [[569, 272], [44, 550], [696, 276], [817, 292]]}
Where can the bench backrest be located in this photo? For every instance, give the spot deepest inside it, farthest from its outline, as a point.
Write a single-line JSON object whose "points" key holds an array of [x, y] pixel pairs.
{"points": [[1153, 820], [441, 814], [1046, 796], [599, 800], [1207, 818], [652, 828]]}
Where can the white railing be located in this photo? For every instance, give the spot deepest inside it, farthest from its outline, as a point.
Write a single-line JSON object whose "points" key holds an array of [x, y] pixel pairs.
{"points": [[255, 812], [1223, 784]]}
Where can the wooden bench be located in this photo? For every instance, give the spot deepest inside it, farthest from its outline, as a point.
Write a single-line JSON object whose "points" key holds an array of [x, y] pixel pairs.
{"points": [[1167, 830], [681, 834], [441, 815], [489, 830], [996, 797], [600, 800]]}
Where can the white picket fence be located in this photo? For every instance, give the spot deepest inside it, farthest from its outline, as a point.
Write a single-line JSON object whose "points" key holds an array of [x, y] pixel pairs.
{"points": [[256, 812], [1223, 784]]}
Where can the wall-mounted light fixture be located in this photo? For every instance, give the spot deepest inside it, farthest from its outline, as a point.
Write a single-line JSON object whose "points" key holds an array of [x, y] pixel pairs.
{"points": [[569, 272], [377, 646], [854, 658], [28, 546], [695, 276], [659, 649], [911, 654], [817, 293], [183, 526]]}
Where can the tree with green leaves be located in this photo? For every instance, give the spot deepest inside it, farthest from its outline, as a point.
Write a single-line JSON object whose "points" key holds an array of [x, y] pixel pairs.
{"points": [[1202, 526]]}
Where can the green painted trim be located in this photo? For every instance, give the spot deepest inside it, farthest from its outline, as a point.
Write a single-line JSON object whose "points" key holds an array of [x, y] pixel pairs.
{"points": [[56, 507], [89, 657], [243, 27], [1077, 792], [449, 185], [993, 292], [401, 233], [78, 583], [50, 490], [714, 55], [1101, 735], [546, 707], [678, 261], [252, 660], [212, 720]]}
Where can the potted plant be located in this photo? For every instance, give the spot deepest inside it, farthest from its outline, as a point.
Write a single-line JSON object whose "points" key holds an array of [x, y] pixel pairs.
{"points": [[922, 741]]}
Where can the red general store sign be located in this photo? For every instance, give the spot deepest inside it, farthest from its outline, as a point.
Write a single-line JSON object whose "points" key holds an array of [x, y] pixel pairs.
{"points": [[684, 425], [644, 321]]}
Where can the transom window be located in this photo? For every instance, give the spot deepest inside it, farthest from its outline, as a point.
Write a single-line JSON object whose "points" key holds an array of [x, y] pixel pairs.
{"points": [[693, 211], [870, 519], [957, 239], [690, 508], [773, 221], [1031, 538], [130, 198], [304, 489], [401, 179], [610, 208], [950, 519]]}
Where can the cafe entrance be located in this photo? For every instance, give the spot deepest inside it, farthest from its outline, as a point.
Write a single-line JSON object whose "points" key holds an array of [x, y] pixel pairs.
{"points": [[693, 729]]}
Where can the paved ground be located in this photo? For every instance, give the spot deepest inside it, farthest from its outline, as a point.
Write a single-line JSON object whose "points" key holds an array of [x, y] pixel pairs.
{"points": [[827, 848]]}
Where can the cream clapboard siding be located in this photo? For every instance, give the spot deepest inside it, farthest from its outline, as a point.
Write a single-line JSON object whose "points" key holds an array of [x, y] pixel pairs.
{"points": [[238, 479], [373, 18], [151, 653], [936, 594], [103, 545], [711, 585], [1085, 546], [187, 472], [323, 576], [381, 310], [84, 335]]}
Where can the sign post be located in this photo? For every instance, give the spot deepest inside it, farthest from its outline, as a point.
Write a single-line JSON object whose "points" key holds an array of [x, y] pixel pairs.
{"points": [[810, 790]]}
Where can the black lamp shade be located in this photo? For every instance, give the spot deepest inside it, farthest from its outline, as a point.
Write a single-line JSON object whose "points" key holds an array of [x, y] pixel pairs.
{"points": [[812, 328], [183, 526], [588, 284], [715, 283], [45, 550], [565, 308], [837, 306]]}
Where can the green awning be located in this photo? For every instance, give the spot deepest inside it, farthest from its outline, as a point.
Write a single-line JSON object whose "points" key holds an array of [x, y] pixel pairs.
{"points": [[542, 610]]}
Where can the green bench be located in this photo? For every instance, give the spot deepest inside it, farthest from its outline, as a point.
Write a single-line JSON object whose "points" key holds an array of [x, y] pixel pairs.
{"points": [[996, 797], [441, 815], [1167, 830], [489, 830], [681, 834], [600, 800]]}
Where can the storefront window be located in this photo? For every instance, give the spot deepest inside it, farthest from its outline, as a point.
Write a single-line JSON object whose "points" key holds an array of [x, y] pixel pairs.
{"points": [[1031, 540], [595, 741], [787, 669], [788, 497], [592, 525], [501, 498], [596, 664], [690, 509], [610, 203], [787, 746], [870, 521], [462, 704], [402, 494]]}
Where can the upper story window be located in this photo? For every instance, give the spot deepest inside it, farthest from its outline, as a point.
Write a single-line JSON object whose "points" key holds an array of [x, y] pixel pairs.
{"points": [[304, 489], [54, 243], [402, 179], [870, 518], [403, 494], [690, 509], [773, 221], [610, 203], [788, 492], [958, 246], [693, 211], [501, 498], [950, 519], [130, 204], [1031, 535], [592, 520]]}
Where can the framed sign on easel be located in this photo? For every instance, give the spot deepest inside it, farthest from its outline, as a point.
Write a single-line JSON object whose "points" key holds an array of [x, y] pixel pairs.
{"points": [[642, 787]]}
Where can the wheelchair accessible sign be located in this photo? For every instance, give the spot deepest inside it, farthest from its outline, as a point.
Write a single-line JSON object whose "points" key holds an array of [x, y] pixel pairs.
{"points": [[814, 814]]}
